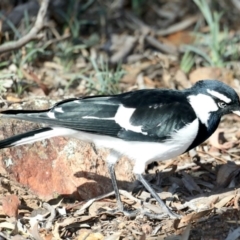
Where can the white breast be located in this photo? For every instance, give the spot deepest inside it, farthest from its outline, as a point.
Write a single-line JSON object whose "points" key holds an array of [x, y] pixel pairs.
{"points": [[145, 152]]}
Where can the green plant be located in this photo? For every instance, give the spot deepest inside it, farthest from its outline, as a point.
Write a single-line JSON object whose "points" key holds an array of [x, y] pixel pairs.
{"points": [[216, 44], [11, 25], [214, 48], [19, 87], [187, 62], [103, 80], [138, 6]]}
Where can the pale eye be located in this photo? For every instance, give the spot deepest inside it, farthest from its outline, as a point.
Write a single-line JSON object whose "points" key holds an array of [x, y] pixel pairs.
{"points": [[222, 104]]}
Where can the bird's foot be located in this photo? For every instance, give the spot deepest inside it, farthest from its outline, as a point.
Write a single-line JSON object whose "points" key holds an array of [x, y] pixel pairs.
{"points": [[127, 213], [160, 216], [142, 211], [174, 215], [168, 212]]}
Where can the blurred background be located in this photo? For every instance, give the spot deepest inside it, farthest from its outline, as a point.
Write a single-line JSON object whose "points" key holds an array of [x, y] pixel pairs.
{"points": [[112, 46]]}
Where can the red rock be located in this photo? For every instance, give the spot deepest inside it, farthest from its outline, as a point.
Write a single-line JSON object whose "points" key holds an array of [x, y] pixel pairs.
{"points": [[59, 166], [10, 205]]}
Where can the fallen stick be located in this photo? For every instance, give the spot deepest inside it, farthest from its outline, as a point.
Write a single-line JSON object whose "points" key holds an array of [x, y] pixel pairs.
{"points": [[33, 33]]}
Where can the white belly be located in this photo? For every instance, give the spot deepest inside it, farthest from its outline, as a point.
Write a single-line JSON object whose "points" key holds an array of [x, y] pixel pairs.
{"points": [[146, 152]]}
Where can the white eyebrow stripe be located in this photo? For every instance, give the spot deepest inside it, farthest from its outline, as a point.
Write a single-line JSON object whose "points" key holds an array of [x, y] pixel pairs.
{"points": [[219, 95]]}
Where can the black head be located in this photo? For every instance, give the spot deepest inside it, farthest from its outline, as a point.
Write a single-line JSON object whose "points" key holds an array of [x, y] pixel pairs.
{"points": [[212, 97]]}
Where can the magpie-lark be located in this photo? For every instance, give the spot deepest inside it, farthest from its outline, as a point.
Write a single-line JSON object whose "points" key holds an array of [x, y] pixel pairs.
{"points": [[144, 125]]}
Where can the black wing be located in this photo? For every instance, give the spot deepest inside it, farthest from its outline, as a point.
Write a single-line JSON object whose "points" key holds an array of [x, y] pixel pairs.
{"points": [[157, 113]]}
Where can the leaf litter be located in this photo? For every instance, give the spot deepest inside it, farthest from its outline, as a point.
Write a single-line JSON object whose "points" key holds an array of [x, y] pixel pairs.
{"points": [[201, 192], [197, 202]]}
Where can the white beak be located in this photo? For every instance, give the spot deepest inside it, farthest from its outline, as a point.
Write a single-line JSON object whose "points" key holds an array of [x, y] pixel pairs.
{"points": [[237, 112]]}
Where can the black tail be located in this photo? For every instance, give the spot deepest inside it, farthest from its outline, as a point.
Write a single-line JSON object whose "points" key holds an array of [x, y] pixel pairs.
{"points": [[15, 112], [28, 137]]}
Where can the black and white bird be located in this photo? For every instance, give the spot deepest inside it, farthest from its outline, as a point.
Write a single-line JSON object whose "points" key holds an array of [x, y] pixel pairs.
{"points": [[144, 125]]}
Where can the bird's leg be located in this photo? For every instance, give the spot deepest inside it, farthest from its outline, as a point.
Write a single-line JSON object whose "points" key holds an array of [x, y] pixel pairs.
{"points": [[115, 186], [155, 195], [111, 160]]}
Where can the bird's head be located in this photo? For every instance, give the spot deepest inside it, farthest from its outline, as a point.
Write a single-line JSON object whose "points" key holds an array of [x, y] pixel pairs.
{"points": [[212, 98]]}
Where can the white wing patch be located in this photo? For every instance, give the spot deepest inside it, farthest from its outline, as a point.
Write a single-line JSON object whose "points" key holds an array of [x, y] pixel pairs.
{"points": [[77, 101], [92, 117], [51, 114], [123, 116], [203, 105], [59, 109], [219, 96]]}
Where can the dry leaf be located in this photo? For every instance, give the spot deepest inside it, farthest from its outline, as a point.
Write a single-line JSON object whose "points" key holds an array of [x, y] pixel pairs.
{"points": [[236, 200], [182, 79], [227, 173], [10, 205], [95, 236], [234, 234], [201, 203], [190, 184], [114, 236], [7, 225], [218, 140], [146, 228], [237, 134], [143, 237], [181, 37], [34, 232], [94, 208], [83, 234], [223, 201], [122, 46], [132, 72], [33, 77], [13, 99], [86, 234], [192, 217], [18, 237], [211, 73], [48, 236]]}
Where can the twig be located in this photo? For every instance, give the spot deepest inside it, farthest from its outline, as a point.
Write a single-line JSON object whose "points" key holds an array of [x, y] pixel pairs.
{"points": [[124, 50], [138, 24], [166, 48], [178, 26], [211, 155], [33, 33]]}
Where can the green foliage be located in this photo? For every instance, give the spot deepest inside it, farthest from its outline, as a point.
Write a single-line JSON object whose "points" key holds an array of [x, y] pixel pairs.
{"points": [[187, 62], [138, 6], [103, 80], [216, 43], [19, 88], [67, 51], [214, 48], [11, 25]]}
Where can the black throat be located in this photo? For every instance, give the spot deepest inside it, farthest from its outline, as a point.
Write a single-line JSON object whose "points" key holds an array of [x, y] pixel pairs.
{"points": [[204, 132]]}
